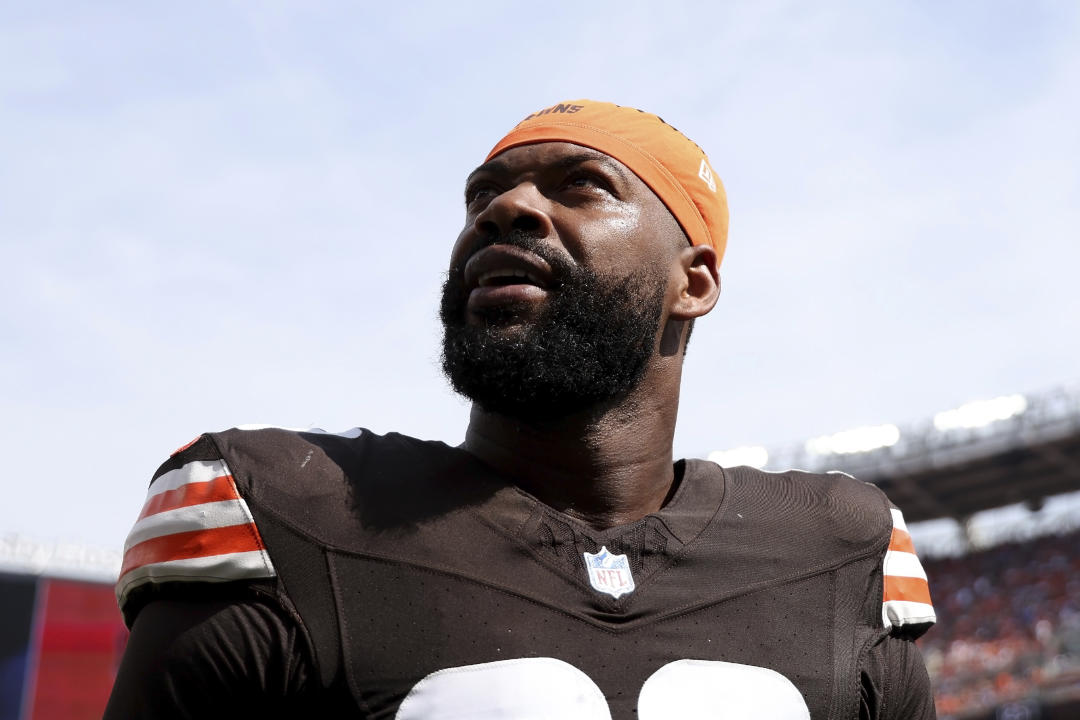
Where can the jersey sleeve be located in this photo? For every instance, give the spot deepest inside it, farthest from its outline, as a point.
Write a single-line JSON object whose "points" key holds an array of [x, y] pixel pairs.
{"points": [[894, 683], [906, 609], [194, 528], [213, 659]]}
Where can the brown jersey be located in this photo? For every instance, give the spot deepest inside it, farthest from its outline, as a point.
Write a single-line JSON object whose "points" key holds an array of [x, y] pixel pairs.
{"points": [[416, 582]]}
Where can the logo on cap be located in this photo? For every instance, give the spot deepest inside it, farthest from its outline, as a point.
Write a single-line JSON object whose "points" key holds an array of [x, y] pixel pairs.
{"points": [[705, 173], [609, 573]]}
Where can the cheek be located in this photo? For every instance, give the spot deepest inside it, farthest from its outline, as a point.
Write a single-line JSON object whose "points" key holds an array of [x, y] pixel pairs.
{"points": [[614, 239], [460, 251], [628, 222]]}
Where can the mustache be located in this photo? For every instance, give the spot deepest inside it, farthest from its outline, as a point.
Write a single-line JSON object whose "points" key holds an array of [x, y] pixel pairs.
{"points": [[454, 296], [561, 265]]}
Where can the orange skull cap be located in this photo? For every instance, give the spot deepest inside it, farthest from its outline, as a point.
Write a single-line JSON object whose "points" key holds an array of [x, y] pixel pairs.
{"points": [[673, 167]]}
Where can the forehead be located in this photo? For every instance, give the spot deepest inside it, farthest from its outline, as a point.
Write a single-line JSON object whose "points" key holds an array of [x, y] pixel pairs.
{"points": [[544, 155]]}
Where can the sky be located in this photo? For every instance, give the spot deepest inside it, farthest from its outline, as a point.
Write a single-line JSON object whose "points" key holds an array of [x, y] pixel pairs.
{"points": [[215, 214]]}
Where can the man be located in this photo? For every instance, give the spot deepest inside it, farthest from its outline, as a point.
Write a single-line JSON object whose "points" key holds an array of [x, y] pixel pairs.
{"points": [[559, 563]]}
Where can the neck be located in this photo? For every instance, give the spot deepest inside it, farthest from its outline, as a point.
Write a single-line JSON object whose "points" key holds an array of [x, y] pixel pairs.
{"points": [[606, 468]]}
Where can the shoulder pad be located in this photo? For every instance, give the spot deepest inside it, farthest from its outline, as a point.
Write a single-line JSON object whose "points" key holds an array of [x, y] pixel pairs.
{"points": [[906, 609], [829, 514], [193, 528]]}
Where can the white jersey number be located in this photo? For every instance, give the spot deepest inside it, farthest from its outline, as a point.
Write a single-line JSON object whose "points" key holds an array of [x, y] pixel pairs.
{"points": [[545, 688]]}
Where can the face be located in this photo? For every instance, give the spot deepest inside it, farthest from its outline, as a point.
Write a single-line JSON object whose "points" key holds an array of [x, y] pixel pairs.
{"points": [[557, 283]]}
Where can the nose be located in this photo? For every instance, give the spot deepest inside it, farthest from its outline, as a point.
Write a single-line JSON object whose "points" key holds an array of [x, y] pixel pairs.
{"points": [[522, 208]]}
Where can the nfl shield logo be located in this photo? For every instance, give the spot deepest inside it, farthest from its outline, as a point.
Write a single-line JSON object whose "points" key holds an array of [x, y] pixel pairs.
{"points": [[609, 573]]}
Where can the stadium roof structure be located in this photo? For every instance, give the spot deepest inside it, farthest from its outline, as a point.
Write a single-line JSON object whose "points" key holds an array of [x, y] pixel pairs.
{"points": [[983, 455]]}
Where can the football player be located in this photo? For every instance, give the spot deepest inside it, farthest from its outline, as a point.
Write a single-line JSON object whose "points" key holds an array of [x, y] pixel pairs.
{"points": [[560, 563]]}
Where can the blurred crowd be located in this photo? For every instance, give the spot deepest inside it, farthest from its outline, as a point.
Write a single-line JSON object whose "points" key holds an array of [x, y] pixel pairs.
{"points": [[1008, 625]]}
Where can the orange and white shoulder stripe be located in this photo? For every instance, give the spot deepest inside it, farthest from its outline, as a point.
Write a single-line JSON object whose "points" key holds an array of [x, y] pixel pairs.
{"points": [[906, 599], [194, 526]]}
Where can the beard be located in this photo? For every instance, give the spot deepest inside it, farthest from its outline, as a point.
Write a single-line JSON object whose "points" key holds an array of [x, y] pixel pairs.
{"points": [[587, 348]]}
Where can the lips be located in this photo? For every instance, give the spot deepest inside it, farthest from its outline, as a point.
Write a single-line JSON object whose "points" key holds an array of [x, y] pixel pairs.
{"points": [[505, 275], [508, 276]]}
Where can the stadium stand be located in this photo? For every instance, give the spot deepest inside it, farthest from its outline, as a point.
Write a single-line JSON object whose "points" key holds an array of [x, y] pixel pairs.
{"points": [[1007, 642]]}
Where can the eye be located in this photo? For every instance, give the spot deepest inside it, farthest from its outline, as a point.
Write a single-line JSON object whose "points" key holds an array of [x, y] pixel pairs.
{"points": [[587, 181], [477, 192]]}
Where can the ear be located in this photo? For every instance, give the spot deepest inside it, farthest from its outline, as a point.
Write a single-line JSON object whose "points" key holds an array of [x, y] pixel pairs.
{"points": [[699, 283]]}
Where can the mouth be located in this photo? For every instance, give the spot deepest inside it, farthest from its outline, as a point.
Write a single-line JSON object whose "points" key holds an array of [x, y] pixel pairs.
{"points": [[501, 276], [508, 276]]}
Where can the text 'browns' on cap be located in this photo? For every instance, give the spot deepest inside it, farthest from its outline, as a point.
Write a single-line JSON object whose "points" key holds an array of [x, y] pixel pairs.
{"points": [[676, 169]]}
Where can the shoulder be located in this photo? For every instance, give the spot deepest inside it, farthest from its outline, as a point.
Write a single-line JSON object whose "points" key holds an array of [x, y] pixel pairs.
{"points": [[832, 507], [326, 486], [316, 461], [198, 525], [830, 517]]}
